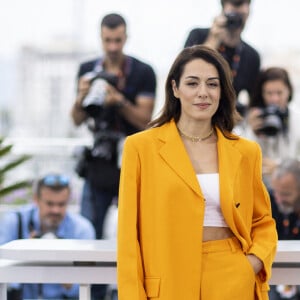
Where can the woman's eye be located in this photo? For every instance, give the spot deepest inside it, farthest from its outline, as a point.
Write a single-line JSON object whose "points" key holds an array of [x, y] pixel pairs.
{"points": [[192, 83], [213, 84]]}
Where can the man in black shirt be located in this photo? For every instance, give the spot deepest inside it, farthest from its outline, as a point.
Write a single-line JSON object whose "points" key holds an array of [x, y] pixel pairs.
{"points": [[115, 98], [225, 36]]}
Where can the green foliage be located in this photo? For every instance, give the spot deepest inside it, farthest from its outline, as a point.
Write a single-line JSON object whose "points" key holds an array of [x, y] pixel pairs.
{"points": [[7, 166]]}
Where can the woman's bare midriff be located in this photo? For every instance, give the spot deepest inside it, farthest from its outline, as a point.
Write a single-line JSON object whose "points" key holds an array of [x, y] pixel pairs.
{"points": [[216, 233]]}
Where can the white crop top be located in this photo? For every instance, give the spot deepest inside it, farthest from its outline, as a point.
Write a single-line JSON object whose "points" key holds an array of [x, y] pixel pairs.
{"points": [[209, 184]]}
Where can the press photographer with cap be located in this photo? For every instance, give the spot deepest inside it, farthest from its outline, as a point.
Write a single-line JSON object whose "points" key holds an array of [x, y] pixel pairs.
{"points": [[47, 217], [225, 35]]}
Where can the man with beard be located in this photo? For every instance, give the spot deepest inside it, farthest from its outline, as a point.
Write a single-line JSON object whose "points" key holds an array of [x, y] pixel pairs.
{"points": [[115, 98], [46, 217], [285, 199]]}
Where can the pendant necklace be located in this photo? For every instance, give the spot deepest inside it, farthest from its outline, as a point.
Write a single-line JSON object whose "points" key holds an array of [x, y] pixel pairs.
{"points": [[196, 139]]}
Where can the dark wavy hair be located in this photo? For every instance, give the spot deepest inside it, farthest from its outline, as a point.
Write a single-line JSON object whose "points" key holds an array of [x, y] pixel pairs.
{"points": [[269, 74], [226, 115]]}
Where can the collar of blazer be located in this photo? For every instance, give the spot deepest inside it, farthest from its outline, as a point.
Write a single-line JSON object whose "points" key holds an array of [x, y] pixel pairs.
{"points": [[175, 155]]}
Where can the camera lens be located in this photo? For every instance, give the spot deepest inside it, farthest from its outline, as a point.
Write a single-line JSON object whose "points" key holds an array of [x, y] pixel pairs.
{"points": [[234, 21], [273, 121]]}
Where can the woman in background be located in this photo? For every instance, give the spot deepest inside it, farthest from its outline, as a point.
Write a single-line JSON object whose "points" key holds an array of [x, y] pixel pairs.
{"points": [[273, 119]]}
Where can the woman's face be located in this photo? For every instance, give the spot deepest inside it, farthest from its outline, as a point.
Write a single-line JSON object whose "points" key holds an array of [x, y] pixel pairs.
{"points": [[199, 90], [276, 92]]}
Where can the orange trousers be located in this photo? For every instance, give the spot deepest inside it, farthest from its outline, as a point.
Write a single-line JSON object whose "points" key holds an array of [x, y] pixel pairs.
{"points": [[226, 272]]}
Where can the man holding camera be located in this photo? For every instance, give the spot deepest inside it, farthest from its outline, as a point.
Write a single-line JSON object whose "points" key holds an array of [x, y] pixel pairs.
{"points": [[115, 97], [225, 36], [46, 218], [127, 91]]}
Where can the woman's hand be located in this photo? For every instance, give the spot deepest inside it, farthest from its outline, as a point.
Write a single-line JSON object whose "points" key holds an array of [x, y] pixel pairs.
{"points": [[255, 262]]}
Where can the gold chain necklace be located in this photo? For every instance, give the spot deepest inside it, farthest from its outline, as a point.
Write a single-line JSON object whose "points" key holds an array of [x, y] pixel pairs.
{"points": [[195, 139]]}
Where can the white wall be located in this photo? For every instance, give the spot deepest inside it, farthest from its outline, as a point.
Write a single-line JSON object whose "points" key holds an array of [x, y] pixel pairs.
{"points": [[157, 29]]}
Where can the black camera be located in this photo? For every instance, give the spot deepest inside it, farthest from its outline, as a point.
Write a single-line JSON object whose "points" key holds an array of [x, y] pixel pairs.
{"points": [[241, 108], [234, 21], [274, 120], [95, 98], [108, 77], [105, 145], [99, 164]]}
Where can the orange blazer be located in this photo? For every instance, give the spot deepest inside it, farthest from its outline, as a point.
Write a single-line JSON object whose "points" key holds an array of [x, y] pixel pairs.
{"points": [[161, 210]]}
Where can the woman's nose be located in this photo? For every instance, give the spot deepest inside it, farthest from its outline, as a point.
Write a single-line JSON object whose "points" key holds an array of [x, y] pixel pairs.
{"points": [[202, 93]]}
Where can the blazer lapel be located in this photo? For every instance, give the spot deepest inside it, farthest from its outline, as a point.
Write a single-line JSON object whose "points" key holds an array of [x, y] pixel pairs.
{"points": [[174, 154]]}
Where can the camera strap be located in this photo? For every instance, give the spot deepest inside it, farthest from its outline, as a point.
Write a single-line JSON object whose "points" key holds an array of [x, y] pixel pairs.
{"points": [[20, 234], [20, 227], [234, 59], [124, 71], [98, 67]]}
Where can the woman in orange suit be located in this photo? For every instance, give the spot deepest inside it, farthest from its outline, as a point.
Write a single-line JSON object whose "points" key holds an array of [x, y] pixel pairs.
{"points": [[194, 215]]}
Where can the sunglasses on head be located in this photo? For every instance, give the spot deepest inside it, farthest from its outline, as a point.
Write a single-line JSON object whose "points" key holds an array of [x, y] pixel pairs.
{"points": [[56, 180]]}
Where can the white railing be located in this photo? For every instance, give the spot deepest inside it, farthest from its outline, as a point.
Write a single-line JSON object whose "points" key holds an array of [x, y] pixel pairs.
{"points": [[60, 261]]}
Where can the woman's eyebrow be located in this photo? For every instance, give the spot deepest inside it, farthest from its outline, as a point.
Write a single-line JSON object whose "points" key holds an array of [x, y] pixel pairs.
{"points": [[213, 78], [196, 77]]}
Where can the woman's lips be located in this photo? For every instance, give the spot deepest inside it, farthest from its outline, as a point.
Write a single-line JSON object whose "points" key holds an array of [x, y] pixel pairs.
{"points": [[202, 105]]}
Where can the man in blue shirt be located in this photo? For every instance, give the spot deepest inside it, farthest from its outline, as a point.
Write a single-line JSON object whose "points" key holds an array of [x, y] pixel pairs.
{"points": [[47, 217]]}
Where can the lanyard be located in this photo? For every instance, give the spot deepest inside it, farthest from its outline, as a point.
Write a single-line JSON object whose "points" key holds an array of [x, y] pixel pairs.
{"points": [[234, 61], [286, 226], [124, 71]]}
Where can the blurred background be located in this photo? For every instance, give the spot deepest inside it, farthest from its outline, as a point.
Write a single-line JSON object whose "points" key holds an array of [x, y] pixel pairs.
{"points": [[43, 42]]}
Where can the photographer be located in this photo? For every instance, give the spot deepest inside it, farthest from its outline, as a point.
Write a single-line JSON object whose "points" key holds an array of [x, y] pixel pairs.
{"points": [[225, 36], [272, 119], [285, 199], [47, 217], [115, 98]]}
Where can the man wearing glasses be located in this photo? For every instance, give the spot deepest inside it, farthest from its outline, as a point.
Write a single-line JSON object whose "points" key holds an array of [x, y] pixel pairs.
{"points": [[46, 217]]}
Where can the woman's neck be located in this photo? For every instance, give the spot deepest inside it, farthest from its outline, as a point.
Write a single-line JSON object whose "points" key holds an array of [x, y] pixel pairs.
{"points": [[195, 129]]}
